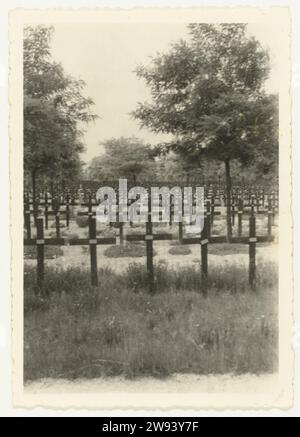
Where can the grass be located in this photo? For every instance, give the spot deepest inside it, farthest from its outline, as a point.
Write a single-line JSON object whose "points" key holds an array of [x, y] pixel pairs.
{"points": [[219, 225], [107, 233], [137, 230], [131, 250], [61, 225], [180, 250], [51, 252], [117, 328], [231, 249], [65, 234], [227, 249]]}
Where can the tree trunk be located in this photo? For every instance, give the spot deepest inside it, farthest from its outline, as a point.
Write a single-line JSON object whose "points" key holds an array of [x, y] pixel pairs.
{"points": [[228, 200], [52, 190], [33, 181]]}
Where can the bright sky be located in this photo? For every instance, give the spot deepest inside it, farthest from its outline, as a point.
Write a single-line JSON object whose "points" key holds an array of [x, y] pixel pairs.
{"points": [[105, 57]]}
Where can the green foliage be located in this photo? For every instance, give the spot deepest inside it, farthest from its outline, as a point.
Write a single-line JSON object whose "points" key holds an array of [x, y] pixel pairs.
{"points": [[82, 221], [132, 250], [180, 250], [209, 93], [124, 157], [54, 111], [171, 166]]}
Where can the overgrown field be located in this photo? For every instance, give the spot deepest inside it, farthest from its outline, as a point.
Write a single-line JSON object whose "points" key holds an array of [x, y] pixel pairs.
{"points": [[117, 328]]}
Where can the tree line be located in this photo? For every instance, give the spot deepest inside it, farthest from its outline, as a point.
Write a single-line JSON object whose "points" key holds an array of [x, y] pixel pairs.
{"points": [[208, 93], [55, 112]]}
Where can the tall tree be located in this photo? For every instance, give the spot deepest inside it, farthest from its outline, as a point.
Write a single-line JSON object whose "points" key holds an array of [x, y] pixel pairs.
{"points": [[209, 93], [178, 168], [124, 157], [55, 111]]}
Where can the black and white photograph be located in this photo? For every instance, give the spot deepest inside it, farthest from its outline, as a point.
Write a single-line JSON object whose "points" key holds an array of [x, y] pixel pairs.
{"points": [[153, 198]]}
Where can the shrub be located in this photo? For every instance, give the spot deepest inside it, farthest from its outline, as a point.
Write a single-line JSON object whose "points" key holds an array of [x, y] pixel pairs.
{"points": [[132, 250], [82, 221], [180, 250], [61, 225]]}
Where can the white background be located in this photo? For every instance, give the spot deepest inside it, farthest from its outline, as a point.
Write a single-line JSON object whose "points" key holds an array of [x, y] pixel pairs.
{"points": [[6, 408]]}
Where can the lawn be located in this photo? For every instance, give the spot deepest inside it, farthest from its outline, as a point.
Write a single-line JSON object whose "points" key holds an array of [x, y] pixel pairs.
{"points": [[51, 252], [117, 328], [131, 250]]}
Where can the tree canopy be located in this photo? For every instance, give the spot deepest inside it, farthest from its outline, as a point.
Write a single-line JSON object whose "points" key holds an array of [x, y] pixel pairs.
{"points": [[55, 111], [209, 93], [124, 157]]}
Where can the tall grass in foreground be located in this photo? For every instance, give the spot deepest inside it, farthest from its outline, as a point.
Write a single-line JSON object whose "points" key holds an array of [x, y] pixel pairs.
{"points": [[117, 328]]}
